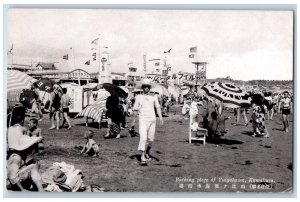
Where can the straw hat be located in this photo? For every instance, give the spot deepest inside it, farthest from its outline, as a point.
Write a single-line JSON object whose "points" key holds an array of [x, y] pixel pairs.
{"points": [[145, 82]]}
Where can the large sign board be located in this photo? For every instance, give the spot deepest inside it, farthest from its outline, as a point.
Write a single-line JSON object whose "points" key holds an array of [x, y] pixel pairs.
{"points": [[79, 73]]}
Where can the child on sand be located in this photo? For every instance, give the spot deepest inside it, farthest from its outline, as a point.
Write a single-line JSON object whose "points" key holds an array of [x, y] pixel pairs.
{"points": [[33, 130], [91, 148]]}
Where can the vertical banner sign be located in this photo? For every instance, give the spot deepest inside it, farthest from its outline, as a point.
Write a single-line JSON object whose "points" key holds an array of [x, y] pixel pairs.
{"points": [[145, 63], [76, 94]]}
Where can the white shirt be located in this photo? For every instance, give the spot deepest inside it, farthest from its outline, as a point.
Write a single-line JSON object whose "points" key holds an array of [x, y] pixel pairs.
{"points": [[145, 105]]}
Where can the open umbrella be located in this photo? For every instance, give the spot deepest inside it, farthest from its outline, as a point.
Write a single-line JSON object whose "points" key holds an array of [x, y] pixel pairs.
{"points": [[174, 90], [17, 81], [115, 90], [46, 85], [227, 93], [161, 90], [185, 90]]}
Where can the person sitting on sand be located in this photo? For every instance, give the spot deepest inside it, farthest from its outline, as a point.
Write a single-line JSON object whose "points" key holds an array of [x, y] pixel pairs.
{"points": [[34, 131], [22, 173], [91, 148]]}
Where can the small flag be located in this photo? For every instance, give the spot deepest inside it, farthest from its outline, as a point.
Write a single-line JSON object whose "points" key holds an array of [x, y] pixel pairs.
{"points": [[65, 57], [153, 59], [193, 49], [168, 51], [157, 64], [87, 62], [191, 56], [11, 49], [95, 41]]}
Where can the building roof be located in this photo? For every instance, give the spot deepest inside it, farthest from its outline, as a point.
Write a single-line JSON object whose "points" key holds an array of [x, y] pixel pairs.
{"points": [[45, 66], [19, 67]]}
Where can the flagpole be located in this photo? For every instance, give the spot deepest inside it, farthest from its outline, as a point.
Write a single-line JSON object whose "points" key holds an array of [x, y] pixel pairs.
{"points": [[99, 75], [75, 66], [12, 59]]}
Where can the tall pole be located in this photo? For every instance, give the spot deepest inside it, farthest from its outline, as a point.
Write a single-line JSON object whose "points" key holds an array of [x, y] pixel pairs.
{"points": [[99, 75], [74, 67], [165, 71], [12, 60]]}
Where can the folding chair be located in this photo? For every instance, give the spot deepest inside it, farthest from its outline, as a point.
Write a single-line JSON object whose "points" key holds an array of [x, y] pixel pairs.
{"points": [[200, 135]]}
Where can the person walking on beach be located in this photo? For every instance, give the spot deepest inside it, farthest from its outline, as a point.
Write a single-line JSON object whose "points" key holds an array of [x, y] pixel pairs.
{"points": [[37, 99], [55, 106], [286, 110], [66, 102], [144, 106]]}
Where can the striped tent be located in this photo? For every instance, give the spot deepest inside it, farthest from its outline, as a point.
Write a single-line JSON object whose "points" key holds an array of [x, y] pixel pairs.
{"points": [[17, 81], [94, 110]]}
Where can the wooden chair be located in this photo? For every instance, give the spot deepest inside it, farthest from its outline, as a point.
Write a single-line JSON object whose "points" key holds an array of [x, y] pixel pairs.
{"points": [[199, 135]]}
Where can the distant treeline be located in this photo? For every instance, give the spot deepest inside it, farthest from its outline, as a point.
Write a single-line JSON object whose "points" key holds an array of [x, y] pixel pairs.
{"points": [[270, 82], [287, 83]]}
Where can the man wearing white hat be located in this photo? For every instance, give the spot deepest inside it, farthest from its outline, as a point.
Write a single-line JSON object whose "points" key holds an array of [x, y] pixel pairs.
{"points": [[144, 106]]}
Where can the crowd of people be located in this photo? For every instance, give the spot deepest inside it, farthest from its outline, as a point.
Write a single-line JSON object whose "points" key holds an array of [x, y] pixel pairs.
{"points": [[144, 106], [263, 106]]}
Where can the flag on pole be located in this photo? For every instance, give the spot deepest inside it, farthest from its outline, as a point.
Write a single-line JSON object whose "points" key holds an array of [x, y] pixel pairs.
{"points": [[193, 49], [65, 57], [191, 55], [95, 41], [87, 62], [168, 51], [11, 49], [153, 60]]}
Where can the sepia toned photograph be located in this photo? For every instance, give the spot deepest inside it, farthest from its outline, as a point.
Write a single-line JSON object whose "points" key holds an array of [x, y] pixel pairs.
{"points": [[145, 100]]}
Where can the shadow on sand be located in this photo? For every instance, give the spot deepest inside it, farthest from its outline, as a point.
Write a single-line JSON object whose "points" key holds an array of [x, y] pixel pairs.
{"points": [[226, 142], [138, 157]]}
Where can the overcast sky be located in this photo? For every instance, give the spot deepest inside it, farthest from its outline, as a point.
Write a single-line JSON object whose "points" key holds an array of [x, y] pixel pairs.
{"points": [[241, 44]]}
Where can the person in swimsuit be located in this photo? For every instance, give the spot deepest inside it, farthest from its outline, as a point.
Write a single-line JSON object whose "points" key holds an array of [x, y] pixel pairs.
{"points": [[286, 110], [55, 105]]}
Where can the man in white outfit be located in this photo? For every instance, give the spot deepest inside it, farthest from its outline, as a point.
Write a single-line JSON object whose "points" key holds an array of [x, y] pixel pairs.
{"points": [[144, 106]]}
